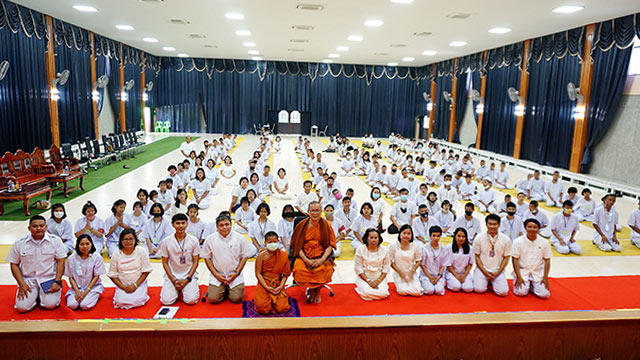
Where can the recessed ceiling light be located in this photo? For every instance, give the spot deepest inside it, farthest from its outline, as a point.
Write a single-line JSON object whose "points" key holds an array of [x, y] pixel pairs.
{"points": [[125, 27], [355, 38], [392, 64], [500, 30], [408, 59], [256, 58], [334, 56], [429, 52], [243, 33], [327, 61], [458, 43], [150, 40], [402, 1], [342, 48], [568, 9], [373, 23], [248, 44], [169, 48], [234, 16], [254, 52], [183, 55], [85, 8]]}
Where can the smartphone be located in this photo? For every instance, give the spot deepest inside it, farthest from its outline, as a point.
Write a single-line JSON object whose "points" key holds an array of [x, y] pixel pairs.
{"points": [[164, 311]]}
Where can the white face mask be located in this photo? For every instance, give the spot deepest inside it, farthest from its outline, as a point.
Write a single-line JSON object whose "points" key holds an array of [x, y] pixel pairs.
{"points": [[447, 183], [58, 214], [272, 246]]}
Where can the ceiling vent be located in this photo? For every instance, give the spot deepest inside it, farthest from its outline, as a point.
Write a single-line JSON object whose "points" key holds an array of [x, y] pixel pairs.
{"points": [[151, 1], [310, 7], [459, 16], [423, 33], [295, 50], [178, 22], [398, 45], [196, 36], [210, 46], [302, 27], [299, 41], [381, 54]]}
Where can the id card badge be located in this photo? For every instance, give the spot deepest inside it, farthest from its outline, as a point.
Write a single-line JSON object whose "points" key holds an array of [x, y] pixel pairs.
{"points": [[154, 240], [564, 232], [183, 259], [492, 253], [78, 269]]}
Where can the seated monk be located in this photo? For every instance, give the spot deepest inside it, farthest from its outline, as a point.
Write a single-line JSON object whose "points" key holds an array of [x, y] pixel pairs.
{"points": [[312, 244], [272, 271]]}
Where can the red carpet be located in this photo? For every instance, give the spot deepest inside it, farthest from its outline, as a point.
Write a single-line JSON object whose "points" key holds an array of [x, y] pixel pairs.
{"points": [[567, 294]]}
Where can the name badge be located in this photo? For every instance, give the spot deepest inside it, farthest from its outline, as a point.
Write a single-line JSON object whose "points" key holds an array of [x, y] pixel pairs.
{"points": [[564, 232], [183, 259], [154, 240], [492, 253], [78, 269]]}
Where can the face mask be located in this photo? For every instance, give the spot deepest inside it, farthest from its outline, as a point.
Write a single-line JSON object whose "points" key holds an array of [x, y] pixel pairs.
{"points": [[424, 215], [394, 170], [567, 211], [534, 211], [272, 246], [447, 183], [468, 212], [252, 168], [403, 198], [487, 187], [338, 196], [511, 213], [375, 196], [411, 176], [450, 161], [157, 215], [58, 214]]}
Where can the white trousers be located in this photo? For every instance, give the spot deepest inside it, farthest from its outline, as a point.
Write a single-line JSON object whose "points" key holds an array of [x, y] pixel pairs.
{"points": [[123, 300], [568, 247], [491, 209], [190, 293], [537, 287], [48, 301], [498, 186], [89, 301], [454, 285], [556, 203], [112, 247], [606, 246], [499, 284], [429, 288]]}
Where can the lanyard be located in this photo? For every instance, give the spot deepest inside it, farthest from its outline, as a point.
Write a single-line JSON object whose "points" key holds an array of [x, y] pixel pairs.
{"points": [[181, 244]]}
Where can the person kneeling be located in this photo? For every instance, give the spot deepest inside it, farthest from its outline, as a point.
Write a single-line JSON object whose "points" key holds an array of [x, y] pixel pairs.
{"points": [[180, 253], [372, 265], [272, 270], [129, 269], [83, 268], [531, 262], [435, 260]]}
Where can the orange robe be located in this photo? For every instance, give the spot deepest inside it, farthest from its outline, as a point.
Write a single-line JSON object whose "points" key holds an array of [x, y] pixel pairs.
{"points": [[312, 278], [273, 268]]}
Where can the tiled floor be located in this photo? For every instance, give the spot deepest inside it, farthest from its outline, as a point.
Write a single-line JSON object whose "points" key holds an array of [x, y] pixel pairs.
{"points": [[147, 177]]}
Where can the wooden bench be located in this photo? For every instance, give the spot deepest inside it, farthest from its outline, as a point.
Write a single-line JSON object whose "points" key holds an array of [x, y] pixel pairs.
{"points": [[25, 168]]}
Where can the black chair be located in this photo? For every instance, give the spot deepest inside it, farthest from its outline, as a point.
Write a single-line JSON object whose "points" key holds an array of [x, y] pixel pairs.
{"points": [[98, 154], [110, 148]]}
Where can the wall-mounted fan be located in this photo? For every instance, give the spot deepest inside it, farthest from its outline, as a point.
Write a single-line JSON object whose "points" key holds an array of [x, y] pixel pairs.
{"points": [[514, 95], [129, 85], [574, 92], [61, 78], [149, 86], [4, 69], [102, 82], [447, 96], [475, 95]]}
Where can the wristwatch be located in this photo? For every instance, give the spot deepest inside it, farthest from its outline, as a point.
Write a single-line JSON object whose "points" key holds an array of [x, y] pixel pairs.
{"points": [[189, 278], [59, 282]]}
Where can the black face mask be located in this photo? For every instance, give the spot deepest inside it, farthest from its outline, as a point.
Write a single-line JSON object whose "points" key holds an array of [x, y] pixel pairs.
{"points": [[394, 170], [157, 215], [424, 215], [468, 212], [252, 168], [511, 213]]}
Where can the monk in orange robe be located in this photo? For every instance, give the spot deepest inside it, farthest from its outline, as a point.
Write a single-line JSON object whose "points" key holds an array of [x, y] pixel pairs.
{"points": [[312, 243], [272, 271]]}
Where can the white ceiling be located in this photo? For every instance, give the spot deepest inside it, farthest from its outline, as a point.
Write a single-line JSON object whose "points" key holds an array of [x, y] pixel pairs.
{"points": [[270, 23]]}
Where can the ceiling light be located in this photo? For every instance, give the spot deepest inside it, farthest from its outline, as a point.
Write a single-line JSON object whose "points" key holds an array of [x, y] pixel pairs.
{"points": [[392, 64], [334, 56], [402, 1], [355, 38], [256, 58], [125, 27], [568, 9], [373, 23], [429, 52], [85, 8], [458, 43], [408, 59], [327, 61], [254, 52], [234, 16], [150, 40], [500, 30], [183, 55], [249, 44], [243, 33], [342, 48], [169, 48]]}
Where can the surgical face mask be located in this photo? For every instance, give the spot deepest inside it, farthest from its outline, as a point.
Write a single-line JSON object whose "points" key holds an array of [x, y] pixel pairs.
{"points": [[272, 246], [411, 176], [338, 196], [424, 215], [328, 213], [451, 161], [534, 211], [375, 196], [394, 170], [468, 212], [403, 198], [487, 187], [157, 215], [511, 213], [58, 214], [447, 183], [567, 211]]}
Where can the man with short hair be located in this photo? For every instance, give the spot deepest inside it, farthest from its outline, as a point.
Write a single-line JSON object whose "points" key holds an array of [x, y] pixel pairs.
{"points": [[492, 250], [531, 256], [187, 147], [564, 226]]}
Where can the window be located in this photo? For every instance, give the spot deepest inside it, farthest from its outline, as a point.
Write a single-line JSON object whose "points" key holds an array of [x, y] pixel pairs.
{"points": [[425, 122], [283, 117], [295, 117]]}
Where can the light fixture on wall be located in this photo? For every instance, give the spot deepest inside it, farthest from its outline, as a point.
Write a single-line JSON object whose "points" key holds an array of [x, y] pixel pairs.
{"points": [[147, 89], [427, 98], [579, 112], [127, 86], [60, 79], [475, 96]]}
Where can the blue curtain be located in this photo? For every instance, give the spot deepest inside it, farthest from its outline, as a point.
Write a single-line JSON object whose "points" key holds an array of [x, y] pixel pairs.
{"points": [[75, 111], [133, 109], [609, 76], [548, 122], [499, 120], [289, 92], [24, 105], [181, 101], [113, 89], [461, 104], [443, 112]]}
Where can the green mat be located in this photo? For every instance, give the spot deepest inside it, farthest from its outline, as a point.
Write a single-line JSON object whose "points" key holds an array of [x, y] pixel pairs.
{"points": [[13, 211]]}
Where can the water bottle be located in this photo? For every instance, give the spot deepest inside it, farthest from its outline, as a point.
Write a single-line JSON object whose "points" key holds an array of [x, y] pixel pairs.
{"points": [[17, 188], [11, 185], [66, 169]]}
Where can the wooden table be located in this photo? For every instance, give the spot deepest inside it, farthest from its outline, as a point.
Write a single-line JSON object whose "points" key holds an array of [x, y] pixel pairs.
{"points": [[26, 193], [65, 179]]}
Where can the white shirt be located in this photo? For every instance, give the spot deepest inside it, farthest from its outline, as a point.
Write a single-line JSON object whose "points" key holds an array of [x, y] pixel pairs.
{"points": [[37, 259], [421, 228], [360, 224], [531, 256], [502, 177], [128, 268], [512, 228], [606, 220], [540, 216], [63, 230], [536, 186], [487, 196], [403, 217], [472, 226], [177, 251], [187, 148], [485, 247], [555, 189], [345, 218], [451, 194], [305, 199], [245, 217], [584, 207], [258, 230], [239, 193], [564, 225], [226, 254]]}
